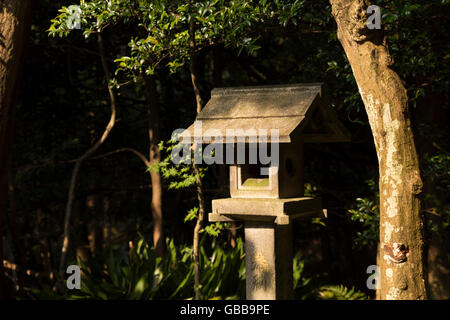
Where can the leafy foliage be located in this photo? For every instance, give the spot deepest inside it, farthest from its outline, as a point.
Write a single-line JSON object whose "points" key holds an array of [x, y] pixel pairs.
{"points": [[340, 293], [140, 275], [437, 172], [366, 214], [305, 286], [182, 175], [162, 27]]}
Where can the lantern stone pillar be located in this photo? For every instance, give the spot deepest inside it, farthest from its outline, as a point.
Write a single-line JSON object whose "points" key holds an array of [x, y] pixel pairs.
{"points": [[268, 256]]}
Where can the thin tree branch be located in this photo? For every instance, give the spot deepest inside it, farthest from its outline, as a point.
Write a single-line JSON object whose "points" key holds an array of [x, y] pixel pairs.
{"points": [[434, 144], [87, 51], [46, 164], [200, 195], [137, 153], [88, 153]]}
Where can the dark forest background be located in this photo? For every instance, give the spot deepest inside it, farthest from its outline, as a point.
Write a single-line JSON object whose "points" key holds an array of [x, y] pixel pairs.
{"points": [[63, 109]]}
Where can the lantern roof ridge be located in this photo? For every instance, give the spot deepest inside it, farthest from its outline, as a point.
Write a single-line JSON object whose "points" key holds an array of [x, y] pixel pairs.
{"points": [[299, 109], [286, 88]]}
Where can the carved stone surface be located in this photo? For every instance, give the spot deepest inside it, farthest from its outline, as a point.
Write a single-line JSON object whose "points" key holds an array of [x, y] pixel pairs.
{"points": [[279, 211], [268, 256]]}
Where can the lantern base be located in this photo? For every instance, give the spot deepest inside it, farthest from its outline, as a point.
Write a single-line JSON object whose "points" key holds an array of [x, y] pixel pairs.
{"points": [[278, 211]]}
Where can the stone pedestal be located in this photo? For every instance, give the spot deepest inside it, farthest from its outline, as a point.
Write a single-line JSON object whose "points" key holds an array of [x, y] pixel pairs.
{"points": [[268, 256], [268, 240]]}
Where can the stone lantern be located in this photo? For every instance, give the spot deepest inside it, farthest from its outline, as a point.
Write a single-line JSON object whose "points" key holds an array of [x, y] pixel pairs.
{"points": [[267, 191]]}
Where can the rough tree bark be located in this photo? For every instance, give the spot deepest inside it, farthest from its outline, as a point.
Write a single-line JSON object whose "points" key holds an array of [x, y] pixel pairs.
{"points": [[386, 103], [155, 176], [15, 20]]}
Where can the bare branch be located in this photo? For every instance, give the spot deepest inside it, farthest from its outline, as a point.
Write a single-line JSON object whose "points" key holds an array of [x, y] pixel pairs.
{"points": [[88, 153], [137, 153]]}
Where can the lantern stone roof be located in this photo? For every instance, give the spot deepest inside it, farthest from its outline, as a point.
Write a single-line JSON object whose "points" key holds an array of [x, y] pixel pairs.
{"points": [[294, 109]]}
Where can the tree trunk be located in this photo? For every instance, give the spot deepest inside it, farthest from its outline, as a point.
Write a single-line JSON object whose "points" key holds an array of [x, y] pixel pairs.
{"points": [[386, 103], [15, 20], [155, 176]]}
